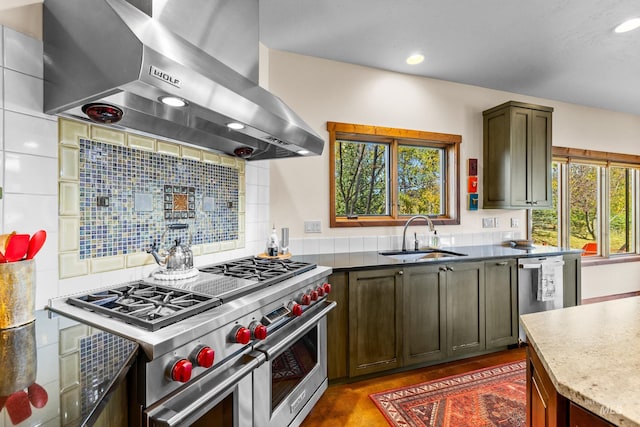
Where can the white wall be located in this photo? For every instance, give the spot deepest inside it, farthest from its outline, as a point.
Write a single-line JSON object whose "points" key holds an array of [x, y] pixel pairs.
{"points": [[321, 90]]}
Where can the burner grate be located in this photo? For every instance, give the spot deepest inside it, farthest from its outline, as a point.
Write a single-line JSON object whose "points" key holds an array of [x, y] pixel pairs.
{"points": [[149, 306], [264, 270]]}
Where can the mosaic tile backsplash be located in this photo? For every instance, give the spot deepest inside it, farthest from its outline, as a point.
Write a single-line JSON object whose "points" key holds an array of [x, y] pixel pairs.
{"points": [[129, 196]]}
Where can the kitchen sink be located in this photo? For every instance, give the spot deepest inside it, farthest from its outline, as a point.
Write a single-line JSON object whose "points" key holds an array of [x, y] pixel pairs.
{"points": [[420, 255]]}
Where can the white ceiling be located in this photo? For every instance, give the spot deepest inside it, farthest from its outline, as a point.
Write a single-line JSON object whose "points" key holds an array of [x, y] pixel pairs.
{"points": [[563, 50]]}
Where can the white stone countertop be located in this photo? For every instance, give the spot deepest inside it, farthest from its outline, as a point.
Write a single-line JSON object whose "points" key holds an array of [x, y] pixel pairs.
{"points": [[592, 354]]}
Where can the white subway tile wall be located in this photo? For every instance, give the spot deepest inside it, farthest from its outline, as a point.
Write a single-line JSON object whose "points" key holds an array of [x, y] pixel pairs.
{"points": [[29, 155]]}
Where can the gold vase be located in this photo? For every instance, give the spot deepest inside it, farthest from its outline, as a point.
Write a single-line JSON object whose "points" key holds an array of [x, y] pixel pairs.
{"points": [[17, 293], [18, 355]]}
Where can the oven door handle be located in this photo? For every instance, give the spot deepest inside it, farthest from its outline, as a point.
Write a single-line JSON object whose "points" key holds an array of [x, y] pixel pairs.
{"points": [[294, 330], [179, 410]]}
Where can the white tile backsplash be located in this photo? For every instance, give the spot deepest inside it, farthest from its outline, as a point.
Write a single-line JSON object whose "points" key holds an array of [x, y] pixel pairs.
{"points": [[2, 46], [370, 243], [23, 53], [341, 244], [29, 174], [251, 174], [356, 243], [28, 213], [30, 135], [2, 113], [311, 246], [326, 245], [23, 93], [384, 243]]}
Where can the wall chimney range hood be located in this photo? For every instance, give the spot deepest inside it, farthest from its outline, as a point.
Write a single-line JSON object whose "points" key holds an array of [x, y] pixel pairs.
{"points": [[185, 72]]}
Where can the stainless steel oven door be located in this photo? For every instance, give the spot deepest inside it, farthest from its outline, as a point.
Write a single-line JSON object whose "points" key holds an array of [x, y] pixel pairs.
{"points": [[294, 376], [220, 398]]}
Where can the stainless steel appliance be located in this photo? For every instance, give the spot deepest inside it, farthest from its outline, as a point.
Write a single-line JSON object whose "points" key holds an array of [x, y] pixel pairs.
{"points": [[185, 73], [203, 338], [294, 376], [540, 286]]}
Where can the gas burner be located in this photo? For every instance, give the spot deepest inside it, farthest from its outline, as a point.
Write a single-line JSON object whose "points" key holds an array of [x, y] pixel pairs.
{"points": [[149, 306], [264, 270]]}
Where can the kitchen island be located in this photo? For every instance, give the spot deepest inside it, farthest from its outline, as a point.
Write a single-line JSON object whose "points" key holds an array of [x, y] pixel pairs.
{"points": [[583, 361]]}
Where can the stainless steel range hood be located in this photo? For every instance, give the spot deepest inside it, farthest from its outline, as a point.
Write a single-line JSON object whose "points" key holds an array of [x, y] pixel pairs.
{"points": [[110, 52]]}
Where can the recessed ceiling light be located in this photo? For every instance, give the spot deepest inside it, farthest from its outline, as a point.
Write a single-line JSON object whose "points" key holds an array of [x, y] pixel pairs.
{"points": [[173, 101], [415, 59], [235, 125], [303, 152], [628, 25]]}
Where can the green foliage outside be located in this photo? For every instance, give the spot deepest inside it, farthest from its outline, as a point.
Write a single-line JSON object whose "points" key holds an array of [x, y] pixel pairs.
{"points": [[362, 179], [419, 180], [583, 221]]}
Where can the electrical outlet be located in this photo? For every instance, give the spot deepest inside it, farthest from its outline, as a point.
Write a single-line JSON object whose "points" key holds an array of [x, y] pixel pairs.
{"points": [[312, 227], [488, 223], [515, 223], [102, 201], [496, 222]]}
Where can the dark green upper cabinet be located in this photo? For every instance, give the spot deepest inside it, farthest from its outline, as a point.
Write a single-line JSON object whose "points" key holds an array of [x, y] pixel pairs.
{"points": [[517, 156]]}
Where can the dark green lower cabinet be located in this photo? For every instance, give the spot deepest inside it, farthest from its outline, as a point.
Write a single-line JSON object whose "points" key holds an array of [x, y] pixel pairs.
{"points": [[424, 329], [422, 314], [374, 321], [501, 302], [465, 307]]}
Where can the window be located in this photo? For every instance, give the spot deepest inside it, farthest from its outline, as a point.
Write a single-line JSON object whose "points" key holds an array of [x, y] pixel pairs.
{"points": [[382, 176], [595, 197]]}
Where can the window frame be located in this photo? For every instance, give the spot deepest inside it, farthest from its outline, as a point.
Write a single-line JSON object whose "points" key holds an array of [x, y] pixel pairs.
{"points": [[394, 137], [604, 160]]}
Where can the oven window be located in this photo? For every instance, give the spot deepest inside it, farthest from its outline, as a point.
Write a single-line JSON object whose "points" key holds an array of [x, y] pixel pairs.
{"points": [[290, 368], [220, 416]]}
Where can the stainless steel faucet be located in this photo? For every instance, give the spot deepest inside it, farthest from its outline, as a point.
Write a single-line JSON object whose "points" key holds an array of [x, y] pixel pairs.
{"points": [[406, 225]]}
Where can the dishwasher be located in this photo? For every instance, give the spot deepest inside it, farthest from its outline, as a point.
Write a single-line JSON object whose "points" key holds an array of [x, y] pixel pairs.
{"points": [[540, 286]]}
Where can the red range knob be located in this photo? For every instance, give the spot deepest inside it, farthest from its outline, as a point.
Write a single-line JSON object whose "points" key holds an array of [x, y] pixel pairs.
{"points": [[181, 371], [296, 309], [314, 295], [259, 331], [327, 288], [205, 357], [320, 291], [242, 335], [305, 299]]}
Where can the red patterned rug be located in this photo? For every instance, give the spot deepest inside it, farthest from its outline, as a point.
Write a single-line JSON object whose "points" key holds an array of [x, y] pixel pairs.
{"points": [[494, 396]]}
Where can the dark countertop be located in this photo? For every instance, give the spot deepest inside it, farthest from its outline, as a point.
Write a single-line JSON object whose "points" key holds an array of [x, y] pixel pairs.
{"points": [[368, 260], [67, 368]]}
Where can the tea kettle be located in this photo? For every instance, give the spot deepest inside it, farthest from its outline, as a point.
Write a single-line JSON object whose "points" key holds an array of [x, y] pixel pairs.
{"points": [[178, 257]]}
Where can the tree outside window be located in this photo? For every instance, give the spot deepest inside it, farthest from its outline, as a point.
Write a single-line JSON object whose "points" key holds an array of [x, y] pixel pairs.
{"points": [[595, 204], [381, 176]]}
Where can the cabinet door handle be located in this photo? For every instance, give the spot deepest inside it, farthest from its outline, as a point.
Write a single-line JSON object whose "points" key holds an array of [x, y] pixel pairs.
{"points": [[443, 268], [401, 272], [502, 263]]}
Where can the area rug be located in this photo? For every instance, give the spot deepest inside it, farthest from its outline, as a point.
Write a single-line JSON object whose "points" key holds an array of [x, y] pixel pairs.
{"points": [[494, 396]]}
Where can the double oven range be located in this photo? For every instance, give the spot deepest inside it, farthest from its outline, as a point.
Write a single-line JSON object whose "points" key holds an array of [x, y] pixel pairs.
{"points": [[241, 344]]}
